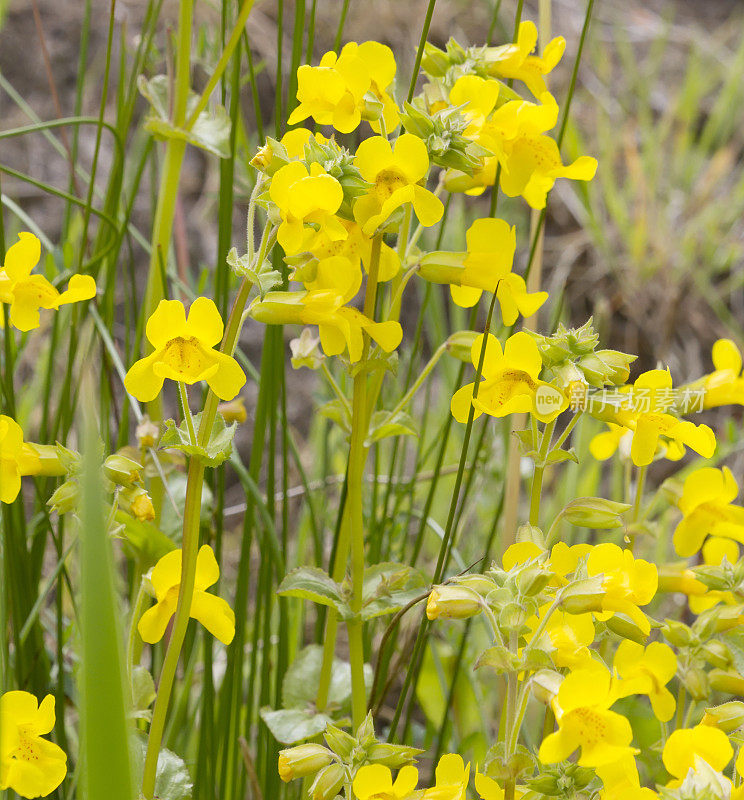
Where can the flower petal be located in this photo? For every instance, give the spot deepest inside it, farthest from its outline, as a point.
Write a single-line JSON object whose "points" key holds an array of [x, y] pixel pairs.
{"points": [[205, 322], [22, 256], [215, 615], [167, 322]]}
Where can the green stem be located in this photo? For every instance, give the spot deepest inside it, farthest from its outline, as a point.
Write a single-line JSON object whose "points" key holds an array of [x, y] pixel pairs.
{"points": [[352, 526], [537, 478], [640, 485], [184, 397]]}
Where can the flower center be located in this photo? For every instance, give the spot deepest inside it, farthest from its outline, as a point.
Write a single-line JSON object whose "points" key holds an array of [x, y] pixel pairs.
{"points": [[387, 182], [27, 749], [185, 355]]}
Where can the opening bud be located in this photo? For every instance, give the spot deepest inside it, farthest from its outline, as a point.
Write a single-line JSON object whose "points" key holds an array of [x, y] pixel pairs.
{"points": [[303, 760], [452, 602]]}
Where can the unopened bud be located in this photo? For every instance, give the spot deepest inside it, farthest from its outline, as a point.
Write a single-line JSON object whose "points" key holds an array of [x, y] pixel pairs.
{"points": [[233, 411], [532, 579], [582, 596], [339, 741], [677, 633], [717, 654], [727, 717], [138, 502], [122, 470], [460, 344], [697, 683], [595, 512], [303, 760], [729, 682], [328, 783], [65, 498], [624, 626], [394, 756], [452, 602]]}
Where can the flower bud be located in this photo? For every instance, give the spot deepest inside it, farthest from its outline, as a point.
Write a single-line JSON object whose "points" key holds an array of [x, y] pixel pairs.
{"points": [[138, 502], [278, 308], [595, 512], [233, 411], [122, 470], [624, 626], [723, 681], [339, 741], [697, 683], [328, 783], [677, 633], [459, 345], [477, 583], [606, 366], [727, 717], [532, 579], [452, 602], [394, 756], [717, 654], [582, 596], [303, 760], [65, 498]]}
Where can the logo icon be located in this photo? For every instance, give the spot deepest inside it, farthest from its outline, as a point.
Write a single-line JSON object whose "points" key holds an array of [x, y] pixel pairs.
{"points": [[548, 399]]}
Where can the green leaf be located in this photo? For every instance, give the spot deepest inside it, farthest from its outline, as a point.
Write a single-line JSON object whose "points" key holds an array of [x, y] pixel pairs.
{"points": [[291, 725], [500, 659], [210, 131], [215, 452], [388, 587], [382, 426], [143, 693], [337, 412], [558, 456], [172, 781], [300, 685], [313, 583]]}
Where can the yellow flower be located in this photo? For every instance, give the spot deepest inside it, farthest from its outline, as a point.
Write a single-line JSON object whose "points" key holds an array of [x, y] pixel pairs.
{"points": [[514, 61], [510, 382], [395, 175], [605, 444], [478, 97], [706, 506], [27, 293], [358, 249], [647, 671], [530, 161], [487, 267], [29, 765], [294, 141], [582, 710], [627, 582], [337, 281], [563, 559], [686, 747], [380, 62], [184, 351], [212, 611], [375, 782], [621, 781], [333, 93], [17, 458], [306, 198], [452, 776], [725, 386], [566, 637], [650, 424], [488, 789]]}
